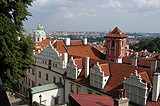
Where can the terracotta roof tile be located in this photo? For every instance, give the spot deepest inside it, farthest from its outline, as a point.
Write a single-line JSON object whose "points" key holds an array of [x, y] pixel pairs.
{"points": [[42, 44], [92, 100], [118, 72], [78, 62], [78, 50], [116, 33]]}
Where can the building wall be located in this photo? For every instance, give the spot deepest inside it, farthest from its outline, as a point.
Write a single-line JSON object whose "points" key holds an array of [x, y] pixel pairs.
{"points": [[136, 90], [48, 97], [27, 82], [49, 61], [115, 51], [51, 74], [82, 89]]}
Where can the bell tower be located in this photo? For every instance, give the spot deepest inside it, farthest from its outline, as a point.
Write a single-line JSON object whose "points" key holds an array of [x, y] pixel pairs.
{"points": [[115, 45]]}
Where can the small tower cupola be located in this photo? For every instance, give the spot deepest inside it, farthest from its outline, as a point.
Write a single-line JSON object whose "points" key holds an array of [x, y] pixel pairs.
{"points": [[115, 45]]}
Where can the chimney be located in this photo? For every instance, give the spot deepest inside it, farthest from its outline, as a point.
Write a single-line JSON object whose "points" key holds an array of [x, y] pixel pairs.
{"points": [[118, 60], [85, 41], [86, 67], [39, 51], [134, 59], [122, 100], [153, 64], [65, 59], [155, 91], [67, 41]]}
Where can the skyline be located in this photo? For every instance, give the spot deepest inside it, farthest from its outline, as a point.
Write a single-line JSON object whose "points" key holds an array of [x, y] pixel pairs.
{"points": [[95, 15]]}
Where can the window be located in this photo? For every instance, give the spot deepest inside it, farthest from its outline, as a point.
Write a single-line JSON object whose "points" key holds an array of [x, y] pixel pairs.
{"points": [[29, 82], [28, 70], [23, 89], [90, 92], [49, 62], [49, 67], [71, 87], [33, 84], [26, 80], [78, 88], [53, 64], [113, 42], [39, 74], [20, 86], [46, 76], [38, 39], [56, 99], [60, 79], [122, 43], [45, 62], [39, 84], [42, 38], [54, 79], [32, 71]]}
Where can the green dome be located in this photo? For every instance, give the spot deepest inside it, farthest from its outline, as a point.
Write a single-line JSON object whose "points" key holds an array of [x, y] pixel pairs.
{"points": [[39, 32]]}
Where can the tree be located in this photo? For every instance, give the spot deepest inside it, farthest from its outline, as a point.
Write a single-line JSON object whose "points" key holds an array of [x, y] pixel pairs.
{"points": [[16, 55]]}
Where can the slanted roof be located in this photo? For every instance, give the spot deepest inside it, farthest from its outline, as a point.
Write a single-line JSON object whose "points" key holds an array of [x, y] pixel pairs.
{"points": [[116, 33], [42, 44], [118, 72], [47, 87], [78, 49], [92, 100]]}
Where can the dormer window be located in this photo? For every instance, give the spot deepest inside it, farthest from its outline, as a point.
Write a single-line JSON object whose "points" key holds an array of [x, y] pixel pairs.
{"points": [[113, 42]]}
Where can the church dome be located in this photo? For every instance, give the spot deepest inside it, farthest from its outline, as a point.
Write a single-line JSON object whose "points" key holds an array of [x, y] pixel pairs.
{"points": [[39, 34]]}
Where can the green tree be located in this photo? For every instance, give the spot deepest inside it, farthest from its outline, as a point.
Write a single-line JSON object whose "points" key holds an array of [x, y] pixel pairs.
{"points": [[15, 55]]}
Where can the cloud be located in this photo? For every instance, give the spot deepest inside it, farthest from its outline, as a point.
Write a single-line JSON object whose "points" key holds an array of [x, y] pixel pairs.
{"points": [[112, 4], [69, 15], [63, 8], [148, 3]]}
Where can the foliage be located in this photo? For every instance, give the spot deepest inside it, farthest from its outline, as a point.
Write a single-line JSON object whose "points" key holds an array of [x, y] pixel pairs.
{"points": [[15, 55], [149, 44]]}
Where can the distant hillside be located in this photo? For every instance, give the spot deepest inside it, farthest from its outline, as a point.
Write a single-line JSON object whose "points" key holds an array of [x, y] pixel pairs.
{"points": [[149, 44]]}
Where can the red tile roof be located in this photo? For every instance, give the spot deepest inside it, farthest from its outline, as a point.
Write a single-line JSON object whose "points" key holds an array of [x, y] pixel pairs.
{"points": [[100, 48], [92, 100], [118, 72], [78, 49], [116, 33], [42, 44], [145, 78], [78, 62]]}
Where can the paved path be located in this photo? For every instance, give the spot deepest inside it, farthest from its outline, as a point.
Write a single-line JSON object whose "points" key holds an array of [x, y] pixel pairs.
{"points": [[16, 101]]}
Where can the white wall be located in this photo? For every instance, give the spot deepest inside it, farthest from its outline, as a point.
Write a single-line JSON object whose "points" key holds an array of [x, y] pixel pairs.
{"points": [[83, 89], [48, 97], [50, 73]]}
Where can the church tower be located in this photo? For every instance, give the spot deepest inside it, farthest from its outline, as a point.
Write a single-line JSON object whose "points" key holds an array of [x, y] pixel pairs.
{"points": [[39, 34], [115, 45]]}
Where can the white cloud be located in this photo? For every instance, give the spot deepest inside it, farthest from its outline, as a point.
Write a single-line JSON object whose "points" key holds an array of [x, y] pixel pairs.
{"points": [[112, 4], [63, 8], [69, 15], [148, 3]]}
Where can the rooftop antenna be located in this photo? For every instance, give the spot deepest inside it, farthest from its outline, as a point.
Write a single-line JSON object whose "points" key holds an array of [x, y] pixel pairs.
{"points": [[116, 20]]}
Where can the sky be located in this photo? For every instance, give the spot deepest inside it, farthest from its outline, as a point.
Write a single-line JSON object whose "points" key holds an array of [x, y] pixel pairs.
{"points": [[95, 15]]}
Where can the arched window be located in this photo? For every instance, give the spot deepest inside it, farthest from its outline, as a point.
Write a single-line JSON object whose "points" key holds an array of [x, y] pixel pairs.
{"points": [[112, 42]]}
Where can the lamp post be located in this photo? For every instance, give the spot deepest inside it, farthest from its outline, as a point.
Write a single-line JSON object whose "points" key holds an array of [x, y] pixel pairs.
{"points": [[40, 96]]}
